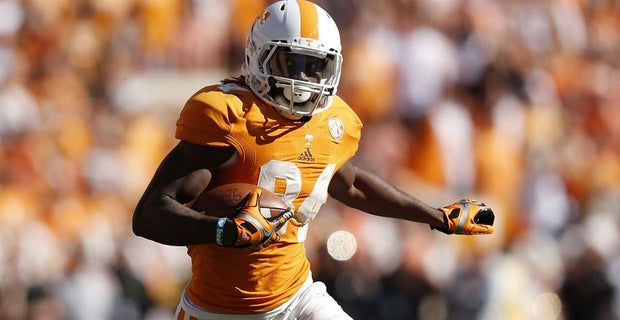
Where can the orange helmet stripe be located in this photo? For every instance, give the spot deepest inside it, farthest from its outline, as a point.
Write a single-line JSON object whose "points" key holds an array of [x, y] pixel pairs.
{"points": [[309, 19]]}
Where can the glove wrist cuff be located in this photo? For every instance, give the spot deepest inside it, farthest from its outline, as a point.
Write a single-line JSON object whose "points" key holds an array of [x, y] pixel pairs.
{"points": [[446, 217], [219, 231], [225, 232], [446, 220]]}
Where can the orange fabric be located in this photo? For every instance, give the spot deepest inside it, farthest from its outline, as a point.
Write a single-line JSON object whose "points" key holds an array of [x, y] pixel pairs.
{"points": [[294, 159]]}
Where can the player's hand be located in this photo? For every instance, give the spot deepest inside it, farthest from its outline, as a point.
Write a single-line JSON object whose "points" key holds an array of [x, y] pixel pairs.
{"points": [[253, 229], [468, 216]]}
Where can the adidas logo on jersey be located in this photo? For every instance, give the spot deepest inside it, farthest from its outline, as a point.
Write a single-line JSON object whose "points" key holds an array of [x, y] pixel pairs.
{"points": [[306, 156]]}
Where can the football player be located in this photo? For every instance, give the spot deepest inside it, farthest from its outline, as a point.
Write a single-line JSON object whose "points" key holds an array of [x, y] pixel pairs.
{"points": [[280, 126]]}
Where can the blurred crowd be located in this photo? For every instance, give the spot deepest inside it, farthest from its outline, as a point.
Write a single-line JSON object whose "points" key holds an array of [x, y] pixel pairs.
{"points": [[512, 102]]}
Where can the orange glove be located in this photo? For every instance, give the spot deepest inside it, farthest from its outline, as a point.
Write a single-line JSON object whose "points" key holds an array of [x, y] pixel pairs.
{"points": [[252, 228], [467, 216]]}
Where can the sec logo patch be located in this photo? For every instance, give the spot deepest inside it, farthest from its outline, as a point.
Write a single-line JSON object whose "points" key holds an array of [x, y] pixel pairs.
{"points": [[336, 128]]}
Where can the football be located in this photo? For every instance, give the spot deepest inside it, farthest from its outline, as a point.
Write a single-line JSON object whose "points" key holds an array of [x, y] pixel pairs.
{"points": [[225, 200]]}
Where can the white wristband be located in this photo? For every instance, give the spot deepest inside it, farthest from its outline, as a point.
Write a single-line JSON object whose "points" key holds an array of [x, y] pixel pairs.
{"points": [[219, 231]]}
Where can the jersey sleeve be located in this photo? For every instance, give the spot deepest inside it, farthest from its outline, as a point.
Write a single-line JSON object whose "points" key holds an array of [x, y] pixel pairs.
{"points": [[204, 120], [353, 131]]}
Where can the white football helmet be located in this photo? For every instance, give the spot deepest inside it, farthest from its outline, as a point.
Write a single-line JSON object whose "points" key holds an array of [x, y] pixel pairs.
{"points": [[293, 59]]}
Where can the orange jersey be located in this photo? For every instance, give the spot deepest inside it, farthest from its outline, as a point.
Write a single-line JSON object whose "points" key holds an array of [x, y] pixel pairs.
{"points": [[295, 160]]}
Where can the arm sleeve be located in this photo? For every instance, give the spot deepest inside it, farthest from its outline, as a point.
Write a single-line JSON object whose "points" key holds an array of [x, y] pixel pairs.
{"points": [[204, 121]]}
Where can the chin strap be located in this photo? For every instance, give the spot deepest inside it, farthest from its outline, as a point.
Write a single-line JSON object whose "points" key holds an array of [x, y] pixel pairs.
{"points": [[293, 117], [287, 114]]}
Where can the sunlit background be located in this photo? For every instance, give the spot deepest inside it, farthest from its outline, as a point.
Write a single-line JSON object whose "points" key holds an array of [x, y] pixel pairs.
{"points": [[514, 102]]}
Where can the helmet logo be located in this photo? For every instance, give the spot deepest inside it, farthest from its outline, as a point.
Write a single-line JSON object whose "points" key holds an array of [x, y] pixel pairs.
{"points": [[336, 128], [264, 17]]}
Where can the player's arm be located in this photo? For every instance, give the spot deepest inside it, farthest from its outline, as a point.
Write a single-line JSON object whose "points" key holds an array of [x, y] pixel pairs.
{"points": [[368, 192], [183, 174]]}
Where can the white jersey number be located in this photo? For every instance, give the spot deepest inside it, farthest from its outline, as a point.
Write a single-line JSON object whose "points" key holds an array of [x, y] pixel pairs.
{"points": [[288, 172]]}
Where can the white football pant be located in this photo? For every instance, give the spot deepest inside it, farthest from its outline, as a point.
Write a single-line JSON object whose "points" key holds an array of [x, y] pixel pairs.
{"points": [[311, 302]]}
